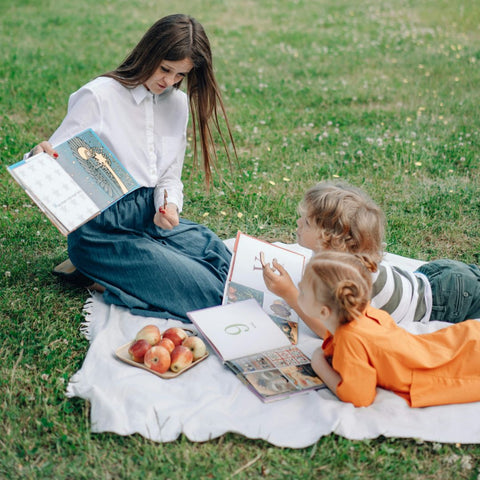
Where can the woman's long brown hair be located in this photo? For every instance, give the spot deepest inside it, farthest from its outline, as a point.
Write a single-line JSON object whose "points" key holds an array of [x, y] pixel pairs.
{"points": [[176, 37]]}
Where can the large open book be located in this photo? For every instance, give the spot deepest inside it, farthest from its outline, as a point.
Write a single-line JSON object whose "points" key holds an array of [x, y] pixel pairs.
{"points": [[256, 349], [84, 180], [245, 279]]}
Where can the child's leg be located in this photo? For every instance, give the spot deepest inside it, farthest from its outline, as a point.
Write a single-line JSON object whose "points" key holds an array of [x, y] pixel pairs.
{"points": [[455, 290]]}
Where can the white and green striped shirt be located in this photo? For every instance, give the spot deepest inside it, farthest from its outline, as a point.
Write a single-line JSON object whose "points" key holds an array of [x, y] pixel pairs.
{"points": [[405, 295]]}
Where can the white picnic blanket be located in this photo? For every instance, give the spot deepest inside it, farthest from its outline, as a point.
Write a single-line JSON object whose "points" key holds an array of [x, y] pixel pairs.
{"points": [[208, 400]]}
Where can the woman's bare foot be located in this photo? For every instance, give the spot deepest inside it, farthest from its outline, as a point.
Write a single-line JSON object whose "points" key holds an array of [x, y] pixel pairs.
{"points": [[97, 287]]}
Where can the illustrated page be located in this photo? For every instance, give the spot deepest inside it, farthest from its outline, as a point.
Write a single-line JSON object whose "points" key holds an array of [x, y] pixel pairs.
{"points": [[55, 190], [246, 281]]}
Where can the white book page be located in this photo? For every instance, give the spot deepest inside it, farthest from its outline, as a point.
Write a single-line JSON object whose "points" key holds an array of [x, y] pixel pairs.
{"points": [[247, 268], [56, 191], [238, 329]]}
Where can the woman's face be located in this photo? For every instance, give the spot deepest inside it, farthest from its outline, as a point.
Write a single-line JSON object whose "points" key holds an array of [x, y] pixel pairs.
{"points": [[307, 234], [167, 74]]}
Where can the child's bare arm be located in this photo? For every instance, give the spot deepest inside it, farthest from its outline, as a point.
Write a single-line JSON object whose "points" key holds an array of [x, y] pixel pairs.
{"points": [[324, 370]]}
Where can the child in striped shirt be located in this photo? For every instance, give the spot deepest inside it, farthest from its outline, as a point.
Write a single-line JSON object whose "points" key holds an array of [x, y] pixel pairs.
{"points": [[338, 216]]}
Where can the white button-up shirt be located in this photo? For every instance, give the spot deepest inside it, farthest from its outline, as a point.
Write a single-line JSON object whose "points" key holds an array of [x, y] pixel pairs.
{"points": [[146, 132]]}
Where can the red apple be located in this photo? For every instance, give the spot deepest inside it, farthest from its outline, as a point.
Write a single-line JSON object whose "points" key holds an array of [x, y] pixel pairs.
{"points": [[196, 345], [167, 343], [150, 333], [138, 349], [181, 358], [175, 334], [157, 359]]}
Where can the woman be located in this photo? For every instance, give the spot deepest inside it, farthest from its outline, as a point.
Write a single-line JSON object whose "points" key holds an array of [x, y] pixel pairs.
{"points": [[139, 251]]}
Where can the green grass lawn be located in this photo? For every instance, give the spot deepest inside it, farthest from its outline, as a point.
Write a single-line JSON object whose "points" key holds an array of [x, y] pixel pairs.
{"points": [[381, 94]]}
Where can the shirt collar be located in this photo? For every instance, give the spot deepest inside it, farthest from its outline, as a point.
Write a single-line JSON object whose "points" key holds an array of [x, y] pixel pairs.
{"points": [[139, 94]]}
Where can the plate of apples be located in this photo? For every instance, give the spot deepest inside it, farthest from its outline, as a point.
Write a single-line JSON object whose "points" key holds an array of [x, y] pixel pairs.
{"points": [[166, 354]]}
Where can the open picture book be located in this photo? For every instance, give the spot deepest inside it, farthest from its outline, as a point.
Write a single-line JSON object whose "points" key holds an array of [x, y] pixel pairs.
{"points": [[245, 279], [251, 344], [83, 181]]}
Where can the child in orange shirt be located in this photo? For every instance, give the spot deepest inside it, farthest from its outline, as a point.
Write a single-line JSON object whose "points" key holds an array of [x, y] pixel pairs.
{"points": [[365, 348]]}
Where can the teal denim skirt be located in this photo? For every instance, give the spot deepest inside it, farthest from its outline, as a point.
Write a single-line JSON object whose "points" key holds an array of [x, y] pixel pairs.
{"points": [[151, 271]]}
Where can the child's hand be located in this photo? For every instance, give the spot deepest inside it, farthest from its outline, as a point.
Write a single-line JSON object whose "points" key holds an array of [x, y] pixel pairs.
{"points": [[280, 283], [167, 218]]}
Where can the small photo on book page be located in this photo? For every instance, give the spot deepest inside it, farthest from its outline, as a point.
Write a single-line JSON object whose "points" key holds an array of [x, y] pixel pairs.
{"points": [[238, 329]]}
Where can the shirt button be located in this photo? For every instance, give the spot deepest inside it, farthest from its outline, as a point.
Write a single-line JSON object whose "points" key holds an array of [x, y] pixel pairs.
{"points": [[465, 294]]}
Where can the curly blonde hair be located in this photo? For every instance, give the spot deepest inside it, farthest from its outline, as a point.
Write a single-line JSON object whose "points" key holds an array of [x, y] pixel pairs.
{"points": [[348, 220], [341, 281]]}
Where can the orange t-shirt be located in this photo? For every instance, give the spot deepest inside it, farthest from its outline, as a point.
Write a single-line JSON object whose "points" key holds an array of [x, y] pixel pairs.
{"points": [[435, 368]]}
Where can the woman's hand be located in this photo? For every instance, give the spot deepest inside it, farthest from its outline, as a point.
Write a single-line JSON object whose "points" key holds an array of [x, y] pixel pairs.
{"points": [[43, 147], [168, 218], [280, 283]]}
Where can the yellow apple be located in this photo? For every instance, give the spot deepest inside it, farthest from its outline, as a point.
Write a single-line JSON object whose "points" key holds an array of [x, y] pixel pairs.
{"points": [[150, 333], [196, 345]]}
